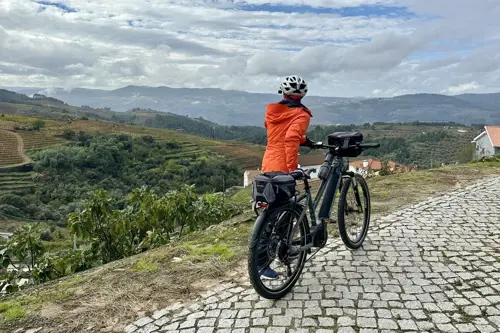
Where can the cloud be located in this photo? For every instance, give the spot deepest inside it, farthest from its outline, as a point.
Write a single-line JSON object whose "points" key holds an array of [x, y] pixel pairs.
{"points": [[462, 88], [46, 53], [341, 47], [384, 52]]}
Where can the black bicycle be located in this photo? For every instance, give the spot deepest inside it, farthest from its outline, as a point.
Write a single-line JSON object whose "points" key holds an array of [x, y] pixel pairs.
{"points": [[282, 233]]}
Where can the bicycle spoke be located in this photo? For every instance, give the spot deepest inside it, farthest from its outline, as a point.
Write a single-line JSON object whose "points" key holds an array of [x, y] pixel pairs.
{"points": [[279, 260], [354, 218]]}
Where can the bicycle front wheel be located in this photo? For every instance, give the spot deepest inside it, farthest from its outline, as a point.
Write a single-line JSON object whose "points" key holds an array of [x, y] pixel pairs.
{"points": [[355, 205], [273, 271]]}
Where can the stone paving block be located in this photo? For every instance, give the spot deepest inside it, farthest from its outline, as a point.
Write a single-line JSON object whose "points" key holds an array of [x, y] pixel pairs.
{"points": [[149, 328], [257, 330], [205, 330], [275, 330], [431, 267], [130, 328], [162, 321], [143, 321], [346, 330], [160, 313], [387, 324], [407, 324]]}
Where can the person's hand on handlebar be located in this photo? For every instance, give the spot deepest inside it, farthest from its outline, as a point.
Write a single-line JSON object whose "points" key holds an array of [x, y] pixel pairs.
{"points": [[312, 144], [309, 143], [298, 174], [317, 145]]}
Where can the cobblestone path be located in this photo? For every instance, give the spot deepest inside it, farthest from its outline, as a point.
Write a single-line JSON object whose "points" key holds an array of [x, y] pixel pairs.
{"points": [[433, 267]]}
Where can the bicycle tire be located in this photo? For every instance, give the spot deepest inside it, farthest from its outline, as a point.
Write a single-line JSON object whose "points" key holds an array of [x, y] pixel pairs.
{"points": [[253, 270], [341, 211]]}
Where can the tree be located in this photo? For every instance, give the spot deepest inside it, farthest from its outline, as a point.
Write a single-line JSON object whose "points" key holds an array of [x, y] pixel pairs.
{"points": [[38, 124], [465, 154], [147, 221], [385, 169]]}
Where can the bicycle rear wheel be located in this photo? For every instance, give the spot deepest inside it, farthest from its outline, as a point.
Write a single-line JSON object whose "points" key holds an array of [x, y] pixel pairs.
{"points": [[269, 246], [359, 207]]}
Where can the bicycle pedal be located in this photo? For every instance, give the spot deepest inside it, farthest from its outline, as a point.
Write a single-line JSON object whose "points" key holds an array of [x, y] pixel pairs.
{"points": [[330, 221]]}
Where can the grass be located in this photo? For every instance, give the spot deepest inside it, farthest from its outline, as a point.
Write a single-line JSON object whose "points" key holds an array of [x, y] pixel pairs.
{"points": [[118, 292], [111, 296], [466, 318], [35, 140], [244, 195], [205, 252], [11, 225], [144, 265], [12, 311], [12, 182], [59, 244], [9, 153], [24, 120]]}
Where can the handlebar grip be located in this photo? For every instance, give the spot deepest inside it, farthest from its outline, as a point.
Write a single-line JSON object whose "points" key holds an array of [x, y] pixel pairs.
{"points": [[373, 145]]}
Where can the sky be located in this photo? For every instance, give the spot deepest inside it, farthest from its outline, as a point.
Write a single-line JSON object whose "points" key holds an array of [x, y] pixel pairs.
{"points": [[344, 48]]}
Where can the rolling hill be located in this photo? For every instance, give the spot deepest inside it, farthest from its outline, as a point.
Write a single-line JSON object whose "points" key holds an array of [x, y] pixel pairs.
{"points": [[19, 113], [247, 109], [425, 144], [486, 100]]}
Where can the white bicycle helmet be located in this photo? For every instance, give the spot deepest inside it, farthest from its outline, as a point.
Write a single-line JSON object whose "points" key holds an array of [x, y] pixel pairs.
{"points": [[293, 85]]}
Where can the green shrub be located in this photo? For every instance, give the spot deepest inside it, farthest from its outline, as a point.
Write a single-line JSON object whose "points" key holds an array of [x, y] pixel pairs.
{"points": [[147, 221], [13, 200], [46, 236], [10, 211], [484, 159]]}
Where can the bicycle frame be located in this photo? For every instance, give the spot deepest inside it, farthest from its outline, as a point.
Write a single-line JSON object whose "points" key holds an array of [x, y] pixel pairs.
{"points": [[281, 244], [329, 185], [337, 169]]}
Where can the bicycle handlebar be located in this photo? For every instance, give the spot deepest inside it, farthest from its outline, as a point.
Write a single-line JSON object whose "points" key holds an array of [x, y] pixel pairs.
{"points": [[320, 145], [371, 145]]}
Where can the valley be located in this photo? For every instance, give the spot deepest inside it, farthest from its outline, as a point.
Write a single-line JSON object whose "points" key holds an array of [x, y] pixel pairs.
{"points": [[238, 108], [68, 174]]}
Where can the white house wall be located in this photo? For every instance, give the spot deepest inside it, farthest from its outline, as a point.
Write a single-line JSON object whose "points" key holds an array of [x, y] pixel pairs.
{"points": [[484, 147], [246, 181]]}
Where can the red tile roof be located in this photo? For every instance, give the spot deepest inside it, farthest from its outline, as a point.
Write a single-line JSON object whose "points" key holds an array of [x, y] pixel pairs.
{"points": [[312, 159], [494, 134], [372, 164]]}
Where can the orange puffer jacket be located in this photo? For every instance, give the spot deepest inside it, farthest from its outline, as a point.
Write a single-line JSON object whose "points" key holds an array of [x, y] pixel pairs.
{"points": [[286, 123]]}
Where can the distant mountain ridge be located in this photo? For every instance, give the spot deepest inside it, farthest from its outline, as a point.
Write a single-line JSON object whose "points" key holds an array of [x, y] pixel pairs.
{"points": [[239, 108]]}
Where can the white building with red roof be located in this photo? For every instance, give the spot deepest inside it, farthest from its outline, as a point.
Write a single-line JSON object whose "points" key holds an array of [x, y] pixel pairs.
{"points": [[488, 142]]}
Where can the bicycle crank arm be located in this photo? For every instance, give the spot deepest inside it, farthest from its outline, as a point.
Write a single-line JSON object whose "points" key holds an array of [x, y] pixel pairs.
{"points": [[295, 250]]}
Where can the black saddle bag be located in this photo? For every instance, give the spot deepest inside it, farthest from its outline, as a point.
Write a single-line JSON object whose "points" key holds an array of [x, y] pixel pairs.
{"points": [[273, 187]]}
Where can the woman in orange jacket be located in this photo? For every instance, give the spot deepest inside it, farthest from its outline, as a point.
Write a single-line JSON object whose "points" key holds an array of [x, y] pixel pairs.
{"points": [[286, 123]]}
